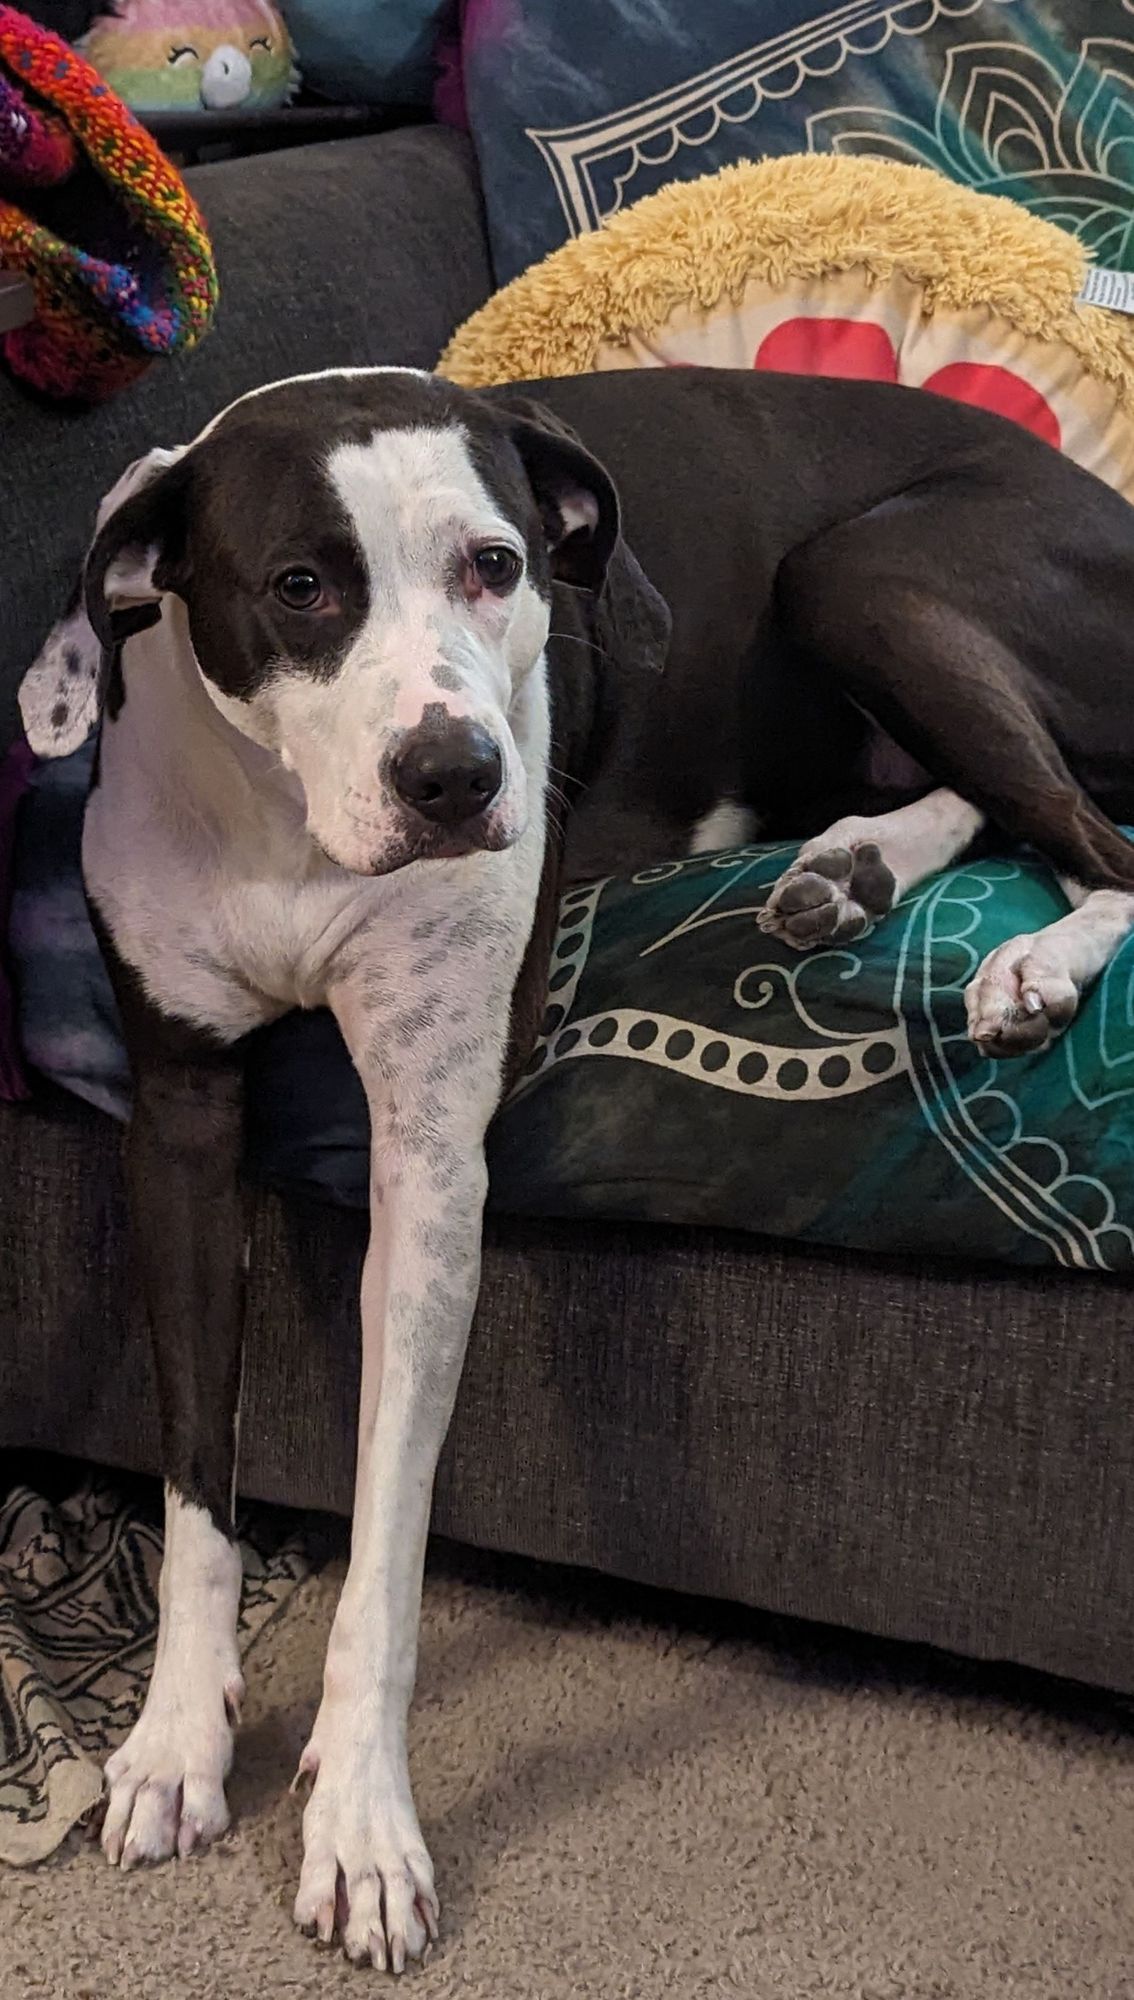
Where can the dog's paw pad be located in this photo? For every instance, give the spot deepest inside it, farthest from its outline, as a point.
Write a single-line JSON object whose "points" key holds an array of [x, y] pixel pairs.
{"points": [[835, 864], [872, 883], [804, 894], [829, 897]]}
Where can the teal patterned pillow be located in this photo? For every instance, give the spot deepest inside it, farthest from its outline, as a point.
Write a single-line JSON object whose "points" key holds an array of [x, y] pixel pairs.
{"points": [[692, 1070]]}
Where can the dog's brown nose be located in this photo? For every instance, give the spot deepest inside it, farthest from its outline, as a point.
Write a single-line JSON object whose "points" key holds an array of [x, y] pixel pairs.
{"points": [[449, 774]]}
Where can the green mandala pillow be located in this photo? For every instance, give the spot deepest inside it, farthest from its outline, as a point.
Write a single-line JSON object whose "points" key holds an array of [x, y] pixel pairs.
{"points": [[692, 1070]]}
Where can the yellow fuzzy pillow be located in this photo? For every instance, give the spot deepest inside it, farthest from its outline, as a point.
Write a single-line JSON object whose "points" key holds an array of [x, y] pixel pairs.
{"points": [[831, 266]]}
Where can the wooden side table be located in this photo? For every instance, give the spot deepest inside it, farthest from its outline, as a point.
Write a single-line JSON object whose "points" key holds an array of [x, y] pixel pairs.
{"points": [[16, 300]]}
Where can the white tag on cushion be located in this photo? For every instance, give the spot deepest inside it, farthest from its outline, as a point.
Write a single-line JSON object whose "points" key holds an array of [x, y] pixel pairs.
{"points": [[1112, 289]]}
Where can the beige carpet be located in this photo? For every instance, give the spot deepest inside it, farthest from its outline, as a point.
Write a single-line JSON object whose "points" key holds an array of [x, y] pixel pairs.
{"points": [[624, 1806]]}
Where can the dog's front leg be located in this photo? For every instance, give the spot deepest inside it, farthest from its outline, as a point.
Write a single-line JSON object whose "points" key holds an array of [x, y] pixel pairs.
{"points": [[166, 1783], [842, 881], [366, 1871]]}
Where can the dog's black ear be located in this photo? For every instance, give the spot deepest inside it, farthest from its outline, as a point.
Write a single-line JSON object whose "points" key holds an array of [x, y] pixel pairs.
{"points": [[578, 501], [139, 550], [575, 495], [632, 619]]}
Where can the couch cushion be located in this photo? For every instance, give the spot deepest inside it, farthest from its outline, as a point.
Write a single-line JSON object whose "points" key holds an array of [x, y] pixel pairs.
{"points": [[941, 1452], [692, 1070]]}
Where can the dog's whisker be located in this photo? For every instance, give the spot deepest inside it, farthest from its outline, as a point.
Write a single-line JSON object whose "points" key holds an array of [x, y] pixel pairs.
{"points": [[577, 639]]}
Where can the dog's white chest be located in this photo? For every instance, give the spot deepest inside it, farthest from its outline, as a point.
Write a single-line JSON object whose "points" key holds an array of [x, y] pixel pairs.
{"points": [[199, 862], [223, 939]]}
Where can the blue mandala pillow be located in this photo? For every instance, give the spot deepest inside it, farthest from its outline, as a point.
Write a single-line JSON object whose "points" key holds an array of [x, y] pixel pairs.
{"points": [[579, 110]]}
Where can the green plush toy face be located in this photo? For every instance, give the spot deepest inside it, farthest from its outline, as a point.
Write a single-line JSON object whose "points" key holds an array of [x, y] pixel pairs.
{"points": [[194, 55]]}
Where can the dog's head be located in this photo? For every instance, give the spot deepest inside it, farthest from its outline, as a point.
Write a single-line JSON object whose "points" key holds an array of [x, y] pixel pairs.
{"points": [[366, 562]]}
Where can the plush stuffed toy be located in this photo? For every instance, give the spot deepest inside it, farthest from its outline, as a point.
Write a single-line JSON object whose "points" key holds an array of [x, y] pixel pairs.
{"points": [[822, 264], [194, 55]]}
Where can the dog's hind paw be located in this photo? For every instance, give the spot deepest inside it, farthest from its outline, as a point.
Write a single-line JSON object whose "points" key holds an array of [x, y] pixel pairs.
{"points": [[166, 1783], [829, 896], [1019, 1002]]}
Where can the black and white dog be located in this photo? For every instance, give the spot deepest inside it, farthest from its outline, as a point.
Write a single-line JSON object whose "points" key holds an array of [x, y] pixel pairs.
{"points": [[348, 633]]}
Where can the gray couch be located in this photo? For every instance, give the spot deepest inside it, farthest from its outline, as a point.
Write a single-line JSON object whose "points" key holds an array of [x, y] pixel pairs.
{"points": [[926, 1451]]}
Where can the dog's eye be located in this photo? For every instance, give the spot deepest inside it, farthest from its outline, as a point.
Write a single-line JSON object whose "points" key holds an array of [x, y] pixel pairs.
{"points": [[496, 567], [299, 589], [176, 55]]}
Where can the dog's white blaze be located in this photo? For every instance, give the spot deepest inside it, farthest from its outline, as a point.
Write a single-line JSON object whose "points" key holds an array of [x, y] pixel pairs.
{"points": [[416, 506], [166, 1783]]}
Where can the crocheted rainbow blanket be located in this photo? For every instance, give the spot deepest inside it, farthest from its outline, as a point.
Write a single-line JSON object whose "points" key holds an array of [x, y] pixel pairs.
{"points": [[99, 221]]}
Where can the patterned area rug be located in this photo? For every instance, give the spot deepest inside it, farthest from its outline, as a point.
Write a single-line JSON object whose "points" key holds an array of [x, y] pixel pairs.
{"points": [[78, 1620]]}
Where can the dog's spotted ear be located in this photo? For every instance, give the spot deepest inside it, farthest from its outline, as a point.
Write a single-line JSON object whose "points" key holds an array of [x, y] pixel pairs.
{"points": [[575, 495], [62, 693]]}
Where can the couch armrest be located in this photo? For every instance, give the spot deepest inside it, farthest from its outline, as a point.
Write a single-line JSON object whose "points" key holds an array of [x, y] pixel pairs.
{"points": [[364, 251]]}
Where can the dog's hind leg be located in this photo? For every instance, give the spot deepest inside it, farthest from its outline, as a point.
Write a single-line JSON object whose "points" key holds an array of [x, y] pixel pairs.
{"points": [[962, 671], [845, 879], [166, 1782]]}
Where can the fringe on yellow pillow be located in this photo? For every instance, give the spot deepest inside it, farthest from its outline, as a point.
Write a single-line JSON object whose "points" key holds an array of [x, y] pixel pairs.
{"points": [[697, 244]]}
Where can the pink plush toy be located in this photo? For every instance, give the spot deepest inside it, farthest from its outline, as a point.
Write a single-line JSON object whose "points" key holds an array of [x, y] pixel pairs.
{"points": [[185, 55]]}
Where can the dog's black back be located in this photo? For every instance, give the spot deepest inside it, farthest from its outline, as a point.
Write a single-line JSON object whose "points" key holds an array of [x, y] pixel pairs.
{"points": [[752, 501]]}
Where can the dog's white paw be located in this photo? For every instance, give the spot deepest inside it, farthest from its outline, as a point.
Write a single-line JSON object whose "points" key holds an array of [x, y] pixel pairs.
{"points": [[366, 1875], [166, 1783], [1019, 1000], [830, 895]]}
